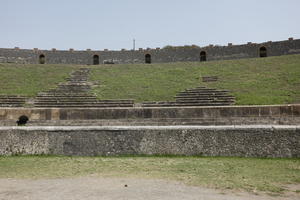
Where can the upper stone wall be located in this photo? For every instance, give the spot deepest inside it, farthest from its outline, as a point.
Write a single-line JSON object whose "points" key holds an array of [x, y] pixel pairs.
{"points": [[170, 54]]}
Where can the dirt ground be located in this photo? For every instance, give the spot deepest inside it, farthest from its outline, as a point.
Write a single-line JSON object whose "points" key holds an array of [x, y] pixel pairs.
{"points": [[92, 188]]}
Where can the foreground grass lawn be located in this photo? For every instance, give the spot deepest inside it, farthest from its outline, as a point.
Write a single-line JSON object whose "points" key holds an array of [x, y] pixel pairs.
{"points": [[250, 174]]}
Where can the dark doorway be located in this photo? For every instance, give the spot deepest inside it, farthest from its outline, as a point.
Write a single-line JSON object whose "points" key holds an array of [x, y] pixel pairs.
{"points": [[262, 52], [148, 58], [202, 56], [95, 60], [42, 59], [22, 120]]}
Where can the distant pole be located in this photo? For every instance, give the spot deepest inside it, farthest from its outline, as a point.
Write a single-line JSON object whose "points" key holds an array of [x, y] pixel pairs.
{"points": [[133, 50]]}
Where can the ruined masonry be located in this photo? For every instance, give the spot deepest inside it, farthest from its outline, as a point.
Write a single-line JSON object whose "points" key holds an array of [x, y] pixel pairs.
{"points": [[200, 96], [12, 101], [167, 54], [76, 93]]}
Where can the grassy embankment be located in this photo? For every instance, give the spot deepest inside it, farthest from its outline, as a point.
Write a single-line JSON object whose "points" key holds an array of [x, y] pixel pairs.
{"points": [[28, 80], [249, 174], [272, 80]]}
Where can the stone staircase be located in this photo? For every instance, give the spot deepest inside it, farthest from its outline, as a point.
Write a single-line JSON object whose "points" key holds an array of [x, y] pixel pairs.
{"points": [[12, 101], [76, 93], [200, 96]]}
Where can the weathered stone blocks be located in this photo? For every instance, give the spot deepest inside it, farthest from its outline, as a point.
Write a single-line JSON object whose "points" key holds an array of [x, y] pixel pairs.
{"points": [[247, 141]]}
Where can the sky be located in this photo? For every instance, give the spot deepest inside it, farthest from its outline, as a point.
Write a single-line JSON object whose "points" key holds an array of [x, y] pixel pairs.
{"points": [[113, 24]]}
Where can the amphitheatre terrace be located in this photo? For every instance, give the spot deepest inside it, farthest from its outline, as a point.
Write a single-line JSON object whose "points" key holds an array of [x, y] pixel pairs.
{"points": [[247, 107]]}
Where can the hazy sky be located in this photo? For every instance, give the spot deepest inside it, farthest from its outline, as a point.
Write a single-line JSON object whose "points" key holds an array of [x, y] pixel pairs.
{"points": [[112, 24]]}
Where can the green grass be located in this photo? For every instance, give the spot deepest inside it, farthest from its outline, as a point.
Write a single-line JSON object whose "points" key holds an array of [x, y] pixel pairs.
{"points": [[272, 80], [28, 80], [257, 81], [249, 174]]}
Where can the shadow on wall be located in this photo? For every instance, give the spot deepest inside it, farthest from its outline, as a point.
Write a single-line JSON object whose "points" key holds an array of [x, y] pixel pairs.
{"points": [[202, 56], [148, 58], [42, 59], [262, 52], [22, 120], [95, 60]]}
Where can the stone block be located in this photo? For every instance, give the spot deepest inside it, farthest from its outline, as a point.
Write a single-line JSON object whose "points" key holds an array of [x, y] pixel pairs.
{"points": [[296, 110], [286, 111]]}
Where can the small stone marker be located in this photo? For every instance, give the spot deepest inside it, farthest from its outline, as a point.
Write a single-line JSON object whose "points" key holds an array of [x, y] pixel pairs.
{"points": [[209, 78]]}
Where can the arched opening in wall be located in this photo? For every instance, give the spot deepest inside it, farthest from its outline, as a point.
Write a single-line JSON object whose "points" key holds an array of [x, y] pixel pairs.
{"points": [[262, 52], [95, 60], [148, 58], [42, 59], [22, 120], [202, 56]]}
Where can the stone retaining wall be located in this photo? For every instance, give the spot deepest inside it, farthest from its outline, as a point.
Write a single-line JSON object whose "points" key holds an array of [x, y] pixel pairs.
{"points": [[211, 115], [171, 54], [246, 141]]}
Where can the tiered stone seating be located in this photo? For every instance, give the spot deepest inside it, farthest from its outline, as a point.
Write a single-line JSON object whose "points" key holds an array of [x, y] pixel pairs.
{"points": [[200, 96], [76, 93], [11, 101]]}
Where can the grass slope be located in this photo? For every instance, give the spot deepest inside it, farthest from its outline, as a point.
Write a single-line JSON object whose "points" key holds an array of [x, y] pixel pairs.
{"points": [[272, 80], [28, 80], [250, 174]]}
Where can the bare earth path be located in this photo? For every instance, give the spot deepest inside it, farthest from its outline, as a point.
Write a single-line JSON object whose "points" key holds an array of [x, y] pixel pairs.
{"points": [[92, 188]]}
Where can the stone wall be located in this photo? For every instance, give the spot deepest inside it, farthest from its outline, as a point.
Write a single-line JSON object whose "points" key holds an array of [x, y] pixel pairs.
{"points": [[171, 54], [211, 115], [246, 141]]}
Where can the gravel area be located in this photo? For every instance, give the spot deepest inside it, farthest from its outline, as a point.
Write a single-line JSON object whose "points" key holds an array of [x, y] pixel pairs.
{"points": [[92, 188]]}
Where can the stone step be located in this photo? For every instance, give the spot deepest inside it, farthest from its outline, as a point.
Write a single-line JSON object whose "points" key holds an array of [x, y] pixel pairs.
{"points": [[12, 98], [206, 101], [84, 105], [201, 93], [70, 95], [84, 102], [205, 98], [12, 102], [184, 104], [201, 96], [71, 90], [81, 102], [204, 89], [63, 102], [66, 99], [74, 85], [11, 105]]}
